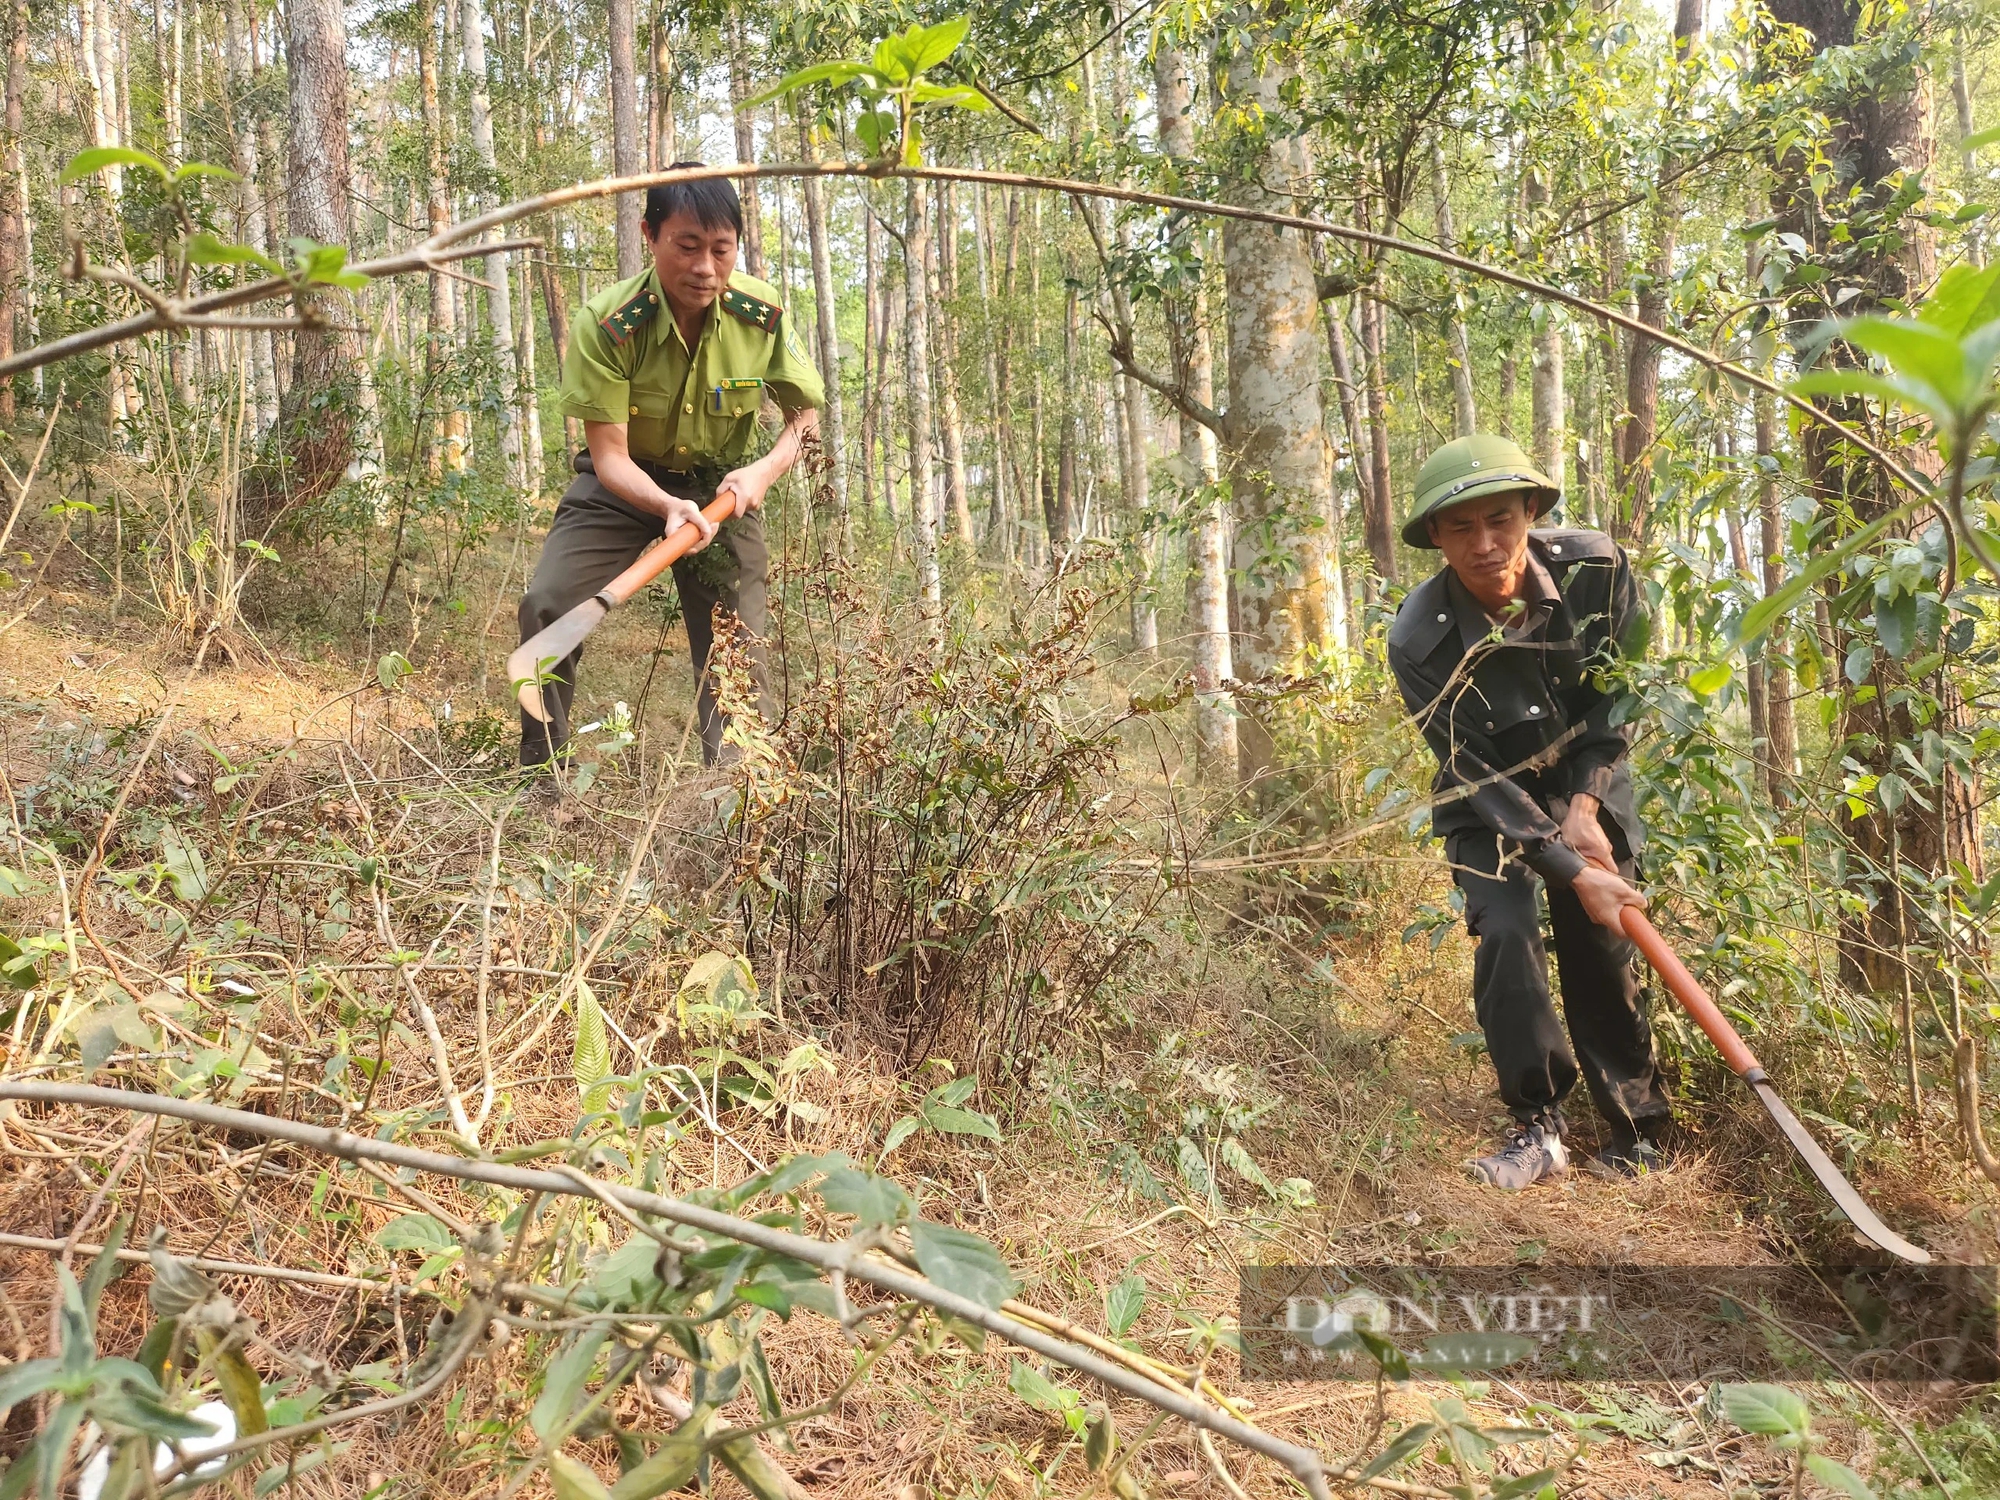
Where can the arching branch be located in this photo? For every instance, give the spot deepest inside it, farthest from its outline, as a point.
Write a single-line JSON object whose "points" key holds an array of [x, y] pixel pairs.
{"points": [[450, 243]]}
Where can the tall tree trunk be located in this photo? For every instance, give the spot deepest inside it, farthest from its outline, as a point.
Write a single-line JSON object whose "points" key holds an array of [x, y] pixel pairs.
{"points": [[951, 426], [499, 270], [441, 387], [1357, 454], [1739, 556], [557, 317], [1465, 414], [917, 367], [996, 432], [1134, 489], [534, 460], [1961, 99], [1882, 135], [625, 155], [102, 59], [1778, 718], [1378, 518], [745, 119], [1281, 471], [827, 329], [1213, 666], [271, 185], [251, 227], [1061, 518], [13, 197], [1547, 398], [1642, 376], [318, 413], [873, 377]]}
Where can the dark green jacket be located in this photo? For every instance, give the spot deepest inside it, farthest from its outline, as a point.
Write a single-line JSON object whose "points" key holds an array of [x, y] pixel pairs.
{"points": [[1520, 718]]}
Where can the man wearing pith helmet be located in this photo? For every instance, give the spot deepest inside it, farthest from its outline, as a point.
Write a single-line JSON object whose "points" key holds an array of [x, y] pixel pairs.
{"points": [[1500, 656]]}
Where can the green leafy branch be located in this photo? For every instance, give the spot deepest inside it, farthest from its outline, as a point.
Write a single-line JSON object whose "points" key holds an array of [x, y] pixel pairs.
{"points": [[1939, 365], [894, 93]]}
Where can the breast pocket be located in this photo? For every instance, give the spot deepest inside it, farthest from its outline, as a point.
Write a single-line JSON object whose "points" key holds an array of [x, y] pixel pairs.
{"points": [[1508, 705], [650, 422]]}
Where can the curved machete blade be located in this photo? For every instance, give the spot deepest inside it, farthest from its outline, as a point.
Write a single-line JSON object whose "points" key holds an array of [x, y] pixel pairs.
{"points": [[1838, 1187], [537, 656]]}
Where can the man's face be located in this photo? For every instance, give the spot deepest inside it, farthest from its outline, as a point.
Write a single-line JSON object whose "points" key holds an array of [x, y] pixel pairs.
{"points": [[693, 262], [1485, 541]]}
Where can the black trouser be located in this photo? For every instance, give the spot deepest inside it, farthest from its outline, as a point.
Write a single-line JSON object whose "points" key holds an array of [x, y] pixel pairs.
{"points": [[1602, 999], [594, 537]]}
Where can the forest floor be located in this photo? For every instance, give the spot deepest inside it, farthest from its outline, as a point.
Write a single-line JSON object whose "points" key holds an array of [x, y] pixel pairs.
{"points": [[1359, 1061]]}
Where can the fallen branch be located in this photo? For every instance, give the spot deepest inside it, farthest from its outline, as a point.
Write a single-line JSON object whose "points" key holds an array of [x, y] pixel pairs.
{"points": [[849, 1259]]}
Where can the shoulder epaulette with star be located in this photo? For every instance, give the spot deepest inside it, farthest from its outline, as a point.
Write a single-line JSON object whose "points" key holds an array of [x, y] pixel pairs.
{"points": [[759, 314], [635, 314]]}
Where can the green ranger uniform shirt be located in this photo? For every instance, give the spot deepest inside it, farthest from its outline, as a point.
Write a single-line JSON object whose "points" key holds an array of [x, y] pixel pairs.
{"points": [[685, 409]]}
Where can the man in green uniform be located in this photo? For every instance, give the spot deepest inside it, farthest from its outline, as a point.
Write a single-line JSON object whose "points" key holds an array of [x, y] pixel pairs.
{"points": [[666, 371]]}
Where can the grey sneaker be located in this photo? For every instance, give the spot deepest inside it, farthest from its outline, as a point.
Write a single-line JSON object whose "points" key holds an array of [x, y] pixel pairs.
{"points": [[1530, 1155], [1640, 1158]]}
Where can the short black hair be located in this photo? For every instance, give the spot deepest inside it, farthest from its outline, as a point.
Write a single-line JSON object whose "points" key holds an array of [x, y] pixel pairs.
{"points": [[710, 201]]}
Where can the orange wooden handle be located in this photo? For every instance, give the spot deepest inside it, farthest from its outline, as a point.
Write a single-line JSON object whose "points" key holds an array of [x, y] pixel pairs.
{"points": [[672, 550], [1693, 998]]}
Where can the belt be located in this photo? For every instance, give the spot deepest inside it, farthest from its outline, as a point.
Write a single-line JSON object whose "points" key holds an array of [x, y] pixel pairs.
{"points": [[697, 481]]}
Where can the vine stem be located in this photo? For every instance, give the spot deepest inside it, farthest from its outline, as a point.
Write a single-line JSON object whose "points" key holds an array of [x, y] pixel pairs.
{"points": [[448, 244]]}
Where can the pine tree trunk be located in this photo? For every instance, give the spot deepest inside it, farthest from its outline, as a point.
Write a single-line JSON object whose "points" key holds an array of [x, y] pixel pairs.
{"points": [[745, 121], [1213, 665], [1642, 380], [317, 417], [499, 271], [917, 370], [625, 156]]}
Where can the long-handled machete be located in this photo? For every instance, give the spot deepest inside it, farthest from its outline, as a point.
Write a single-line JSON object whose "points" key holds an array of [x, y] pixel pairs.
{"points": [[539, 653], [1743, 1063]]}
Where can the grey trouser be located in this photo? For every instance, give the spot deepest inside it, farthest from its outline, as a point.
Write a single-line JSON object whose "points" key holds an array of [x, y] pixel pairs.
{"points": [[594, 537], [1602, 999]]}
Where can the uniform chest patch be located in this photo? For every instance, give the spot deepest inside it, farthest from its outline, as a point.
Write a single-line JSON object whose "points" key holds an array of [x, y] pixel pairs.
{"points": [[759, 314], [624, 321]]}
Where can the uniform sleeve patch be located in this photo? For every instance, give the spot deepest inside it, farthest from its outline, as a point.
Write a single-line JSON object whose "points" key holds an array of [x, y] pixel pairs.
{"points": [[759, 314], [627, 320]]}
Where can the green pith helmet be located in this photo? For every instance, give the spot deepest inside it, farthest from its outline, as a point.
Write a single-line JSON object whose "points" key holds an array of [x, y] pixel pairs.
{"points": [[1467, 468]]}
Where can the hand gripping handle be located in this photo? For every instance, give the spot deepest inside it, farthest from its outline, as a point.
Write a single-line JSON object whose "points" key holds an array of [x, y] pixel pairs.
{"points": [[1693, 998], [677, 545]]}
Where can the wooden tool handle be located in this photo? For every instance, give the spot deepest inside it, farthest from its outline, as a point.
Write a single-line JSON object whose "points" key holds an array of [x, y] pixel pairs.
{"points": [[1693, 998], [677, 545]]}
